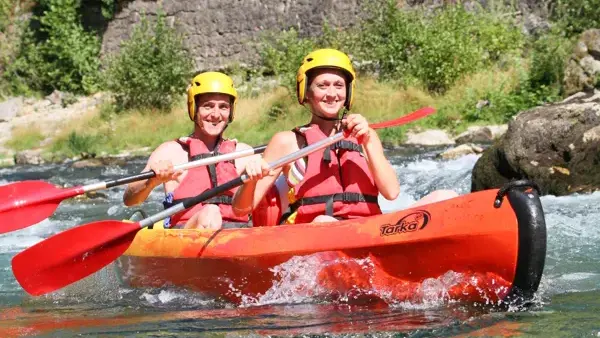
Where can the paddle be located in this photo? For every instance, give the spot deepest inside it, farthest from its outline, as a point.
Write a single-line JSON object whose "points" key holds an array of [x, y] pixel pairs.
{"points": [[30, 202], [78, 252]]}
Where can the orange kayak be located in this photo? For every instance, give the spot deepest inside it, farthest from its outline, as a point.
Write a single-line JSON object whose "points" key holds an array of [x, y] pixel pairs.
{"points": [[462, 249]]}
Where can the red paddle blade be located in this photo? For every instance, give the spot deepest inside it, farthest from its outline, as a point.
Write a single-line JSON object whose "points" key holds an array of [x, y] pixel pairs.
{"points": [[21, 207], [418, 114], [71, 255]]}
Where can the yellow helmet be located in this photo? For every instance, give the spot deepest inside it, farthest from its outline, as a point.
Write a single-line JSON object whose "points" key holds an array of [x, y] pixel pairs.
{"points": [[211, 82], [325, 58]]}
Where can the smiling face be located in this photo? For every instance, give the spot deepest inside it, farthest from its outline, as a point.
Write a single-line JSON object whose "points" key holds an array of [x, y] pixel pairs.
{"points": [[213, 111], [327, 92]]}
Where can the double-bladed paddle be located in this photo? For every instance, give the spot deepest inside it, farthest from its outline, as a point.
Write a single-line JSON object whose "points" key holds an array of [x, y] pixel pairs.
{"points": [[29, 202], [78, 252]]}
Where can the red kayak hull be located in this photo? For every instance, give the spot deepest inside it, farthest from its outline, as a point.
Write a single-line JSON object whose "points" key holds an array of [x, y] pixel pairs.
{"points": [[463, 249]]}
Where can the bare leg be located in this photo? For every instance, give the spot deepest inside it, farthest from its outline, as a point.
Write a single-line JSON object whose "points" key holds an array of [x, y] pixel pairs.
{"points": [[209, 217], [324, 219], [435, 196]]}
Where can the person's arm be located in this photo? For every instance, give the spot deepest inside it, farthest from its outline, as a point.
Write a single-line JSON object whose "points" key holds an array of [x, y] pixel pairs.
{"points": [[381, 169], [253, 191], [160, 162]]}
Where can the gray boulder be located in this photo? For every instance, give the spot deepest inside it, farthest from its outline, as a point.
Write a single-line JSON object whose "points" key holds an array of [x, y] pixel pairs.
{"points": [[557, 146]]}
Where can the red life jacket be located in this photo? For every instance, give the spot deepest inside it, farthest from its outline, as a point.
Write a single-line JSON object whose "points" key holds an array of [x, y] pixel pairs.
{"points": [[199, 179], [270, 209], [336, 184]]}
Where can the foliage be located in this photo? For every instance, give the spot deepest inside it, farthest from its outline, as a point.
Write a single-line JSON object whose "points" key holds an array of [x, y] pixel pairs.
{"points": [[152, 68], [25, 138], [56, 52], [6, 7], [282, 53], [435, 48], [76, 143], [548, 58], [576, 16]]}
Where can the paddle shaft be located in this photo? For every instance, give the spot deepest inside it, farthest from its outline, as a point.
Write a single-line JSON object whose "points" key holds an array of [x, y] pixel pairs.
{"points": [[43, 196], [194, 164]]}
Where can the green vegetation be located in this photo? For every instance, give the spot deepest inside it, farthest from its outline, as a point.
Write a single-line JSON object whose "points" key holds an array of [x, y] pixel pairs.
{"points": [[25, 138], [475, 67], [137, 75], [56, 52]]}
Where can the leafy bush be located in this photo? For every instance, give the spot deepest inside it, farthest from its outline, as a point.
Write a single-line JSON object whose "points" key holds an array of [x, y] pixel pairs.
{"points": [[548, 57], [435, 48], [59, 53], [152, 68], [77, 143], [5, 12], [576, 16], [282, 54]]}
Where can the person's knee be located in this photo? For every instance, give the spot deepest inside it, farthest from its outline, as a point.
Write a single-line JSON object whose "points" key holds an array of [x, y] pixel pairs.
{"points": [[441, 195], [436, 196], [324, 219], [209, 217]]}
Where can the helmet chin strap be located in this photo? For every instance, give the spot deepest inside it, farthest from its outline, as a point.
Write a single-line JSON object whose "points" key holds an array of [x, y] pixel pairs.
{"points": [[331, 118]]}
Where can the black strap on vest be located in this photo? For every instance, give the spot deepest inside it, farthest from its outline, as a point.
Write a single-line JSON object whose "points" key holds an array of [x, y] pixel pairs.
{"points": [[343, 144], [221, 199], [349, 197], [212, 168]]}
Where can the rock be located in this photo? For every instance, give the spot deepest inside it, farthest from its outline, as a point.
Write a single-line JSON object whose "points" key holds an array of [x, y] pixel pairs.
{"points": [[55, 97], [555, 145], [29, 157], [582, 72], [461, 150], [432, 137], [10, 108], [479, 134]]}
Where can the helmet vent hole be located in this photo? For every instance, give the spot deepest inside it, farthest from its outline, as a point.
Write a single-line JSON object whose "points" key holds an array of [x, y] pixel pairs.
{"points": [[197, 83], [309, 59]]}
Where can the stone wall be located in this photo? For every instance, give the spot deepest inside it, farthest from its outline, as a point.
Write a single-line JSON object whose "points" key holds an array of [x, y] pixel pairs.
{"points": [[222, 32]]}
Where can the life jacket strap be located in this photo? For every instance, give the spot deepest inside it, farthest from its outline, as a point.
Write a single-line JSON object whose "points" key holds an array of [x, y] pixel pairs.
{"points": [[342, 144], [221, 199], [349, 197]]}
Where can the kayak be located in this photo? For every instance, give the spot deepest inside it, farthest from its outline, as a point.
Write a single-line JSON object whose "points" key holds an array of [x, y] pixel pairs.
{"points": [[485, 247]]}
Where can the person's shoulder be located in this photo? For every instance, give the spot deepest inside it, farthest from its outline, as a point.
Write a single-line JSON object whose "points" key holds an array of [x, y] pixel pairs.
{"points": [[283, 138], [168, 149]]}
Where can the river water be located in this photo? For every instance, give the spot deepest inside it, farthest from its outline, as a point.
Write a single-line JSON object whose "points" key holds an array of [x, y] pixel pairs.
{"points": [[567, 303]]}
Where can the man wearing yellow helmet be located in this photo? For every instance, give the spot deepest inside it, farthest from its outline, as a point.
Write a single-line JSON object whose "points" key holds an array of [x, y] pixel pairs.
{"points": [[211, 106]]}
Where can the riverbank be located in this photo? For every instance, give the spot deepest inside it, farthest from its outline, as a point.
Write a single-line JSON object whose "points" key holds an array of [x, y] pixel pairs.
{"points": [[62, 127]]}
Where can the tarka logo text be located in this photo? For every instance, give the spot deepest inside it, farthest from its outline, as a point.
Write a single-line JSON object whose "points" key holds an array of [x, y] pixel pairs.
{"points": [[412, 222]]}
